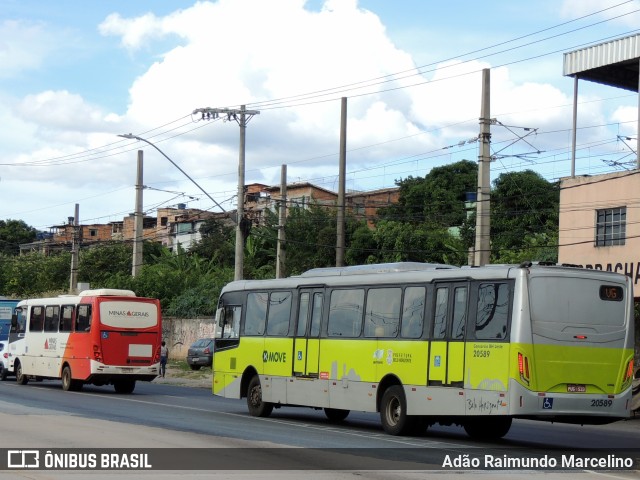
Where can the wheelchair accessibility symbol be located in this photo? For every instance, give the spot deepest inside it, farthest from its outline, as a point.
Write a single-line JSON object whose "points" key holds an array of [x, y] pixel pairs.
{"points": [[547, 404]]}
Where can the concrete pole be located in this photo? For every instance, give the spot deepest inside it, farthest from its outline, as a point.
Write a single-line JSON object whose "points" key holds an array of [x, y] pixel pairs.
{"points": [[75, 250], [281, 252], [575, 126], [340, 230], [137, 223], [483, 206], [239, 263]]}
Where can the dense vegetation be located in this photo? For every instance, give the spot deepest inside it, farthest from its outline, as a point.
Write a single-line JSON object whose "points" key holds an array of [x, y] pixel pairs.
{"points": [[430, 223]]}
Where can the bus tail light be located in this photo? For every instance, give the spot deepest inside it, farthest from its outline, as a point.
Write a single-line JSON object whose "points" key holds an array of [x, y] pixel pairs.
{"points": [[629, 373], [97, 353], [156, 357], [523, 368]]}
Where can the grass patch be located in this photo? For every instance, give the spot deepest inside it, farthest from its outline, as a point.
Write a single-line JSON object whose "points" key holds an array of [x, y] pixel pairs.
{"points": [[180, 368]]}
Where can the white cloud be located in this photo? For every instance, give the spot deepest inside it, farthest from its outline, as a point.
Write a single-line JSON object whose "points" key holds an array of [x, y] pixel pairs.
{"points": [[134, 32], [23, 47], [628, 119], [60, 110]]}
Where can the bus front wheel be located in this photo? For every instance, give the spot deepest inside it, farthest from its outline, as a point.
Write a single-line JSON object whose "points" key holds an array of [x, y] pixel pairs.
{"points": [[257, 407], [21, 378], [393, 411]]}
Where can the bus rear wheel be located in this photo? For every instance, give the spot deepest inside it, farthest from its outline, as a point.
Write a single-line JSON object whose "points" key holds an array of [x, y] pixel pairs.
{"points": [[487, 428], [68, 383], [393, 411], [21, 378], [124, 386], [336, 414], [257, 407]]}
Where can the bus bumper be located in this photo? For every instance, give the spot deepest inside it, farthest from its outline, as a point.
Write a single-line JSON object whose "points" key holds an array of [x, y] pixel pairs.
{"points": [[106, 372], [584, 408]]}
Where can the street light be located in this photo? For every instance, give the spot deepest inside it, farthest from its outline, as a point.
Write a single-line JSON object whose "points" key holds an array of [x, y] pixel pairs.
{"points": [[132, 137]]}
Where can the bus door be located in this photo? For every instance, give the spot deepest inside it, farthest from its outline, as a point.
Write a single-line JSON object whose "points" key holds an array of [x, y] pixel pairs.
{"points": [[306, 354], [447, 352], [487, 345]]}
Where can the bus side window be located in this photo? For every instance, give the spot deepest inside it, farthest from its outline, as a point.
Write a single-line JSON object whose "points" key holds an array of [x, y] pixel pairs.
{"points": [[18, 320], [36, 322], [459, 313], [413, 312], [316, 314], [232, 321], [279, 313], [66, 318], [440, 318], [345, 313], [382, 313], [83, 318], [256, 316], [492, 318], [51, 318], [303, 313]]}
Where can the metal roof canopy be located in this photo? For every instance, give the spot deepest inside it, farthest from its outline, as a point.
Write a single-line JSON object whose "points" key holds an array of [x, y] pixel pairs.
{"points": [[615, 63]]}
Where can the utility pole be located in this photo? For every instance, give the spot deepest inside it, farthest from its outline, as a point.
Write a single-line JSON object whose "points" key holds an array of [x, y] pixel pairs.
{"points": [[75, 248], [137, 223], [483, 206], [340, 227], [281, 251], [242, 117]]}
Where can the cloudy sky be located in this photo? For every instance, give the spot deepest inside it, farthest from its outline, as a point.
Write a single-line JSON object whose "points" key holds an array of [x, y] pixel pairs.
{"points": [[75, 74]]}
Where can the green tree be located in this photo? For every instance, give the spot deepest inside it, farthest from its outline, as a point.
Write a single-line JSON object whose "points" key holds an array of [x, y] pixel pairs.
{"points": [[524, 215], [260, 252], [13, 233], [438, 199], [97, 264], [311, 238], [217, 242], [362, 247], [403, 242], [35, 274]]}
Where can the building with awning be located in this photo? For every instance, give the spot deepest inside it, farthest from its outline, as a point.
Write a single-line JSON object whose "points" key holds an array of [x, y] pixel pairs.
{"points": [[599, 223]]}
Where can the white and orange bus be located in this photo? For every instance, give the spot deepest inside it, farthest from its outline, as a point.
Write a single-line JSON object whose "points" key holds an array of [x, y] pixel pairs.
{"points": [[99, 337]]}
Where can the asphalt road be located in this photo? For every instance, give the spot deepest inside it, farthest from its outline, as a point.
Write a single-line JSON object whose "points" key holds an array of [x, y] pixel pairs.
{"points": [[167, 415]]}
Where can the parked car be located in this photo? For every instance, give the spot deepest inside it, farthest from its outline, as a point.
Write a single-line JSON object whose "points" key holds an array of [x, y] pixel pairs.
{"points": [[4, 360], [200, 353]]}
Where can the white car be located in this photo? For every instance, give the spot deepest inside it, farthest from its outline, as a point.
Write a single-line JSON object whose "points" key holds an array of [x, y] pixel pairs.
{"points": [[4, 360]]}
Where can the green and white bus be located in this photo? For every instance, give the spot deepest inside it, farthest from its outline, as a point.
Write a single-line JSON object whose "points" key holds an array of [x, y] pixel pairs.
{"points": [[426, 343]]}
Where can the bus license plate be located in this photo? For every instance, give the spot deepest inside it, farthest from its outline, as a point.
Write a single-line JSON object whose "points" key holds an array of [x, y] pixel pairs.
{"points": [[576, 388]]}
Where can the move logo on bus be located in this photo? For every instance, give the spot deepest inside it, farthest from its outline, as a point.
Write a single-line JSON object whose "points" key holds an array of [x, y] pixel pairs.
{"points": [[274, 357], [127, 313], [50, 343]]}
